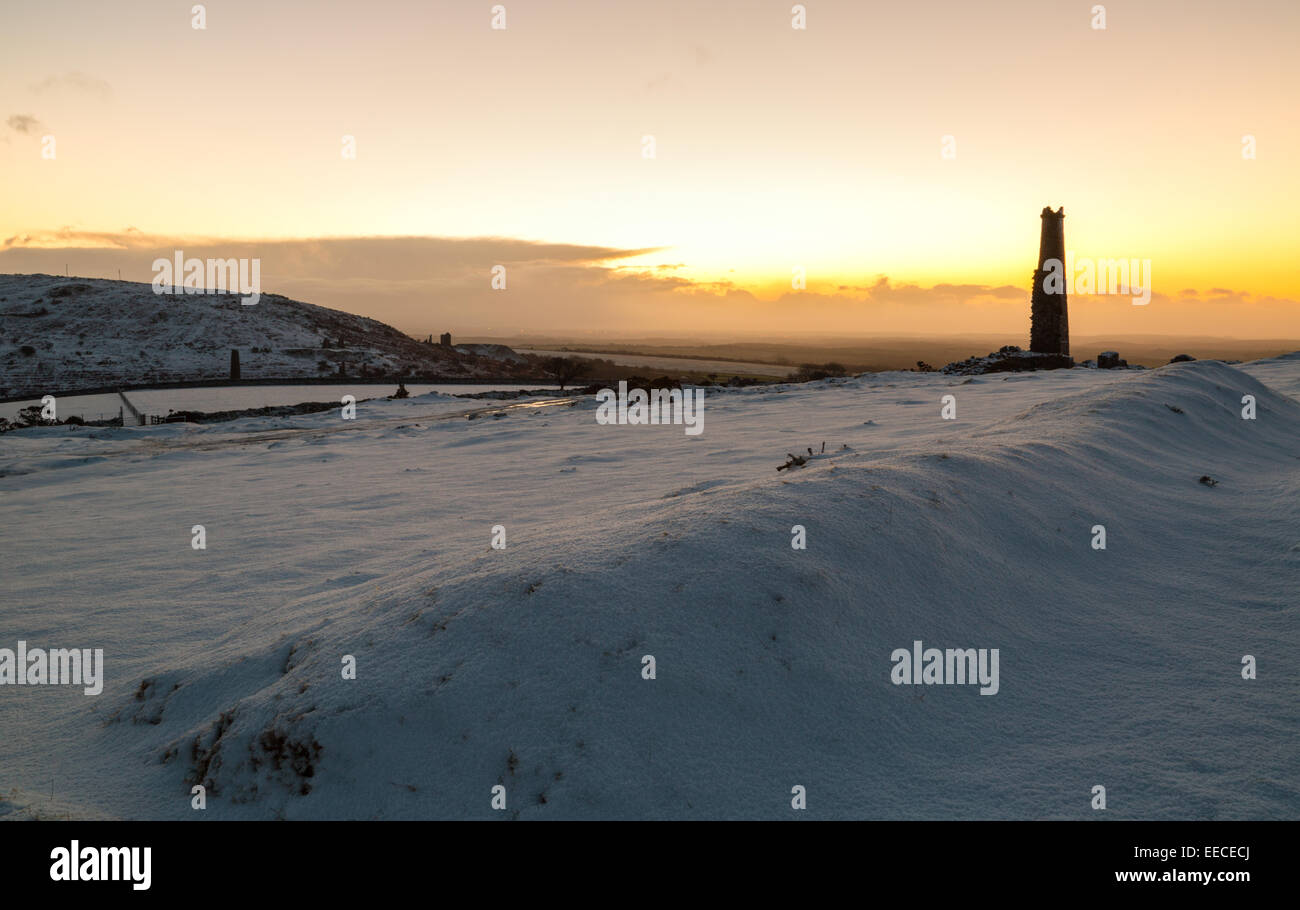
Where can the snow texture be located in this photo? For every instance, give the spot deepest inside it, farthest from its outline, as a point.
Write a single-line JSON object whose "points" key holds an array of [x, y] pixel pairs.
{"points": [[522, 667]]}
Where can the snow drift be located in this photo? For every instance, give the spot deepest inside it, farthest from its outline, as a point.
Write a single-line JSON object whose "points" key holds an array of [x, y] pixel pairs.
{"points": [[523, 667]]}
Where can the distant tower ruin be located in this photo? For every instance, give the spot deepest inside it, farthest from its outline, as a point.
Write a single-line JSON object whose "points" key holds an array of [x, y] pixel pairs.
{"points": [[445, 340], [1049, 320], [234, 363]]}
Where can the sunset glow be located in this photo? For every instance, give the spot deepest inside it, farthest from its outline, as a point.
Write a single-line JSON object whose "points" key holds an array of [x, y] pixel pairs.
{"points": [[774, 148]]}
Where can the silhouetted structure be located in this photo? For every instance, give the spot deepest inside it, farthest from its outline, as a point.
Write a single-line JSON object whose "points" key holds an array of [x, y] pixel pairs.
{"points": [[234, 363], [445, 339], [1049, 321]]}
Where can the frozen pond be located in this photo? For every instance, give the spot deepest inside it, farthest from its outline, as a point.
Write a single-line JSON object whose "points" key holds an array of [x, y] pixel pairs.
{"points": [[232, 398]]}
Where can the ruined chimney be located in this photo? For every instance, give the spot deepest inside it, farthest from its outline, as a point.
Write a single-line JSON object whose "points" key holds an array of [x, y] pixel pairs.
{"points": [[1049, 323], [234, 363]]}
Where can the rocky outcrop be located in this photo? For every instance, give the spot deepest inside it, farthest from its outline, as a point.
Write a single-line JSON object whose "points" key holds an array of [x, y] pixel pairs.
{"points": [[1010, 359]]}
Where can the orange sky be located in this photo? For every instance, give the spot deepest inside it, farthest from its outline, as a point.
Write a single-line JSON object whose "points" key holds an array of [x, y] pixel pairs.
{"points": [[774, 148]]}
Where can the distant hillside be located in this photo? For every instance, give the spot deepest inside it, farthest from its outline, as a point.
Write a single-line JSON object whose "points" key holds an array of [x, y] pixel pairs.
{"points": [[61, 334], [886, 352]]}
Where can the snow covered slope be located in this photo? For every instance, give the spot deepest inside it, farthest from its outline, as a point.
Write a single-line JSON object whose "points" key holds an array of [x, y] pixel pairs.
{"points": [[523, 667], [84, 333]]}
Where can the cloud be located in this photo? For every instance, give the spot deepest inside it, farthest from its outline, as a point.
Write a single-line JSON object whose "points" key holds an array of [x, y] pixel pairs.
{"points": [[426, 285], [24, 123], [75, 81], [419, 284], [348, 255]]}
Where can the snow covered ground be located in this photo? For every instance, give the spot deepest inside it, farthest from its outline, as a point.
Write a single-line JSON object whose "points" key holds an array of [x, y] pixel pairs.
{"points": [[523, 667], [239, 397]]}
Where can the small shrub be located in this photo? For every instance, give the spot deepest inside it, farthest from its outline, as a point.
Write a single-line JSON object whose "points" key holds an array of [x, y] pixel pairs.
{"points": [[811, 372]]}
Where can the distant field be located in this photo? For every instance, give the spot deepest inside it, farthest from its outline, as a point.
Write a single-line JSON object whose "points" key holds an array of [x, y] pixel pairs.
{"points": [[776, 358]]}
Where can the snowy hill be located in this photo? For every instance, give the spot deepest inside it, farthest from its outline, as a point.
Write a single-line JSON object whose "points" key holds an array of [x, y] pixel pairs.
{"points": [[492, 352], [61, 334], [523, 667]]}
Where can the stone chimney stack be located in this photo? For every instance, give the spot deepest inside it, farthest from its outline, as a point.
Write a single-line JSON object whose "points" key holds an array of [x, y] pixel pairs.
{"points": [[1049, 321]]}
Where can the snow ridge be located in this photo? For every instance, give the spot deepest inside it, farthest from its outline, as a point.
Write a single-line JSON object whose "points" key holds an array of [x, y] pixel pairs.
{"points": [[522, 667]]}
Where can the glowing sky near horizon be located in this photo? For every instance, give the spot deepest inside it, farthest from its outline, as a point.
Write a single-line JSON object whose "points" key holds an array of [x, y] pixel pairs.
{"points": [[774, 147]]}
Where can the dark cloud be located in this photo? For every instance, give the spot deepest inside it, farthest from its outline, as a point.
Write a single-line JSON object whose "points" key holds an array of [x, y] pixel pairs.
{"points": [[419, 284], [346, 256], [24, 123]]}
